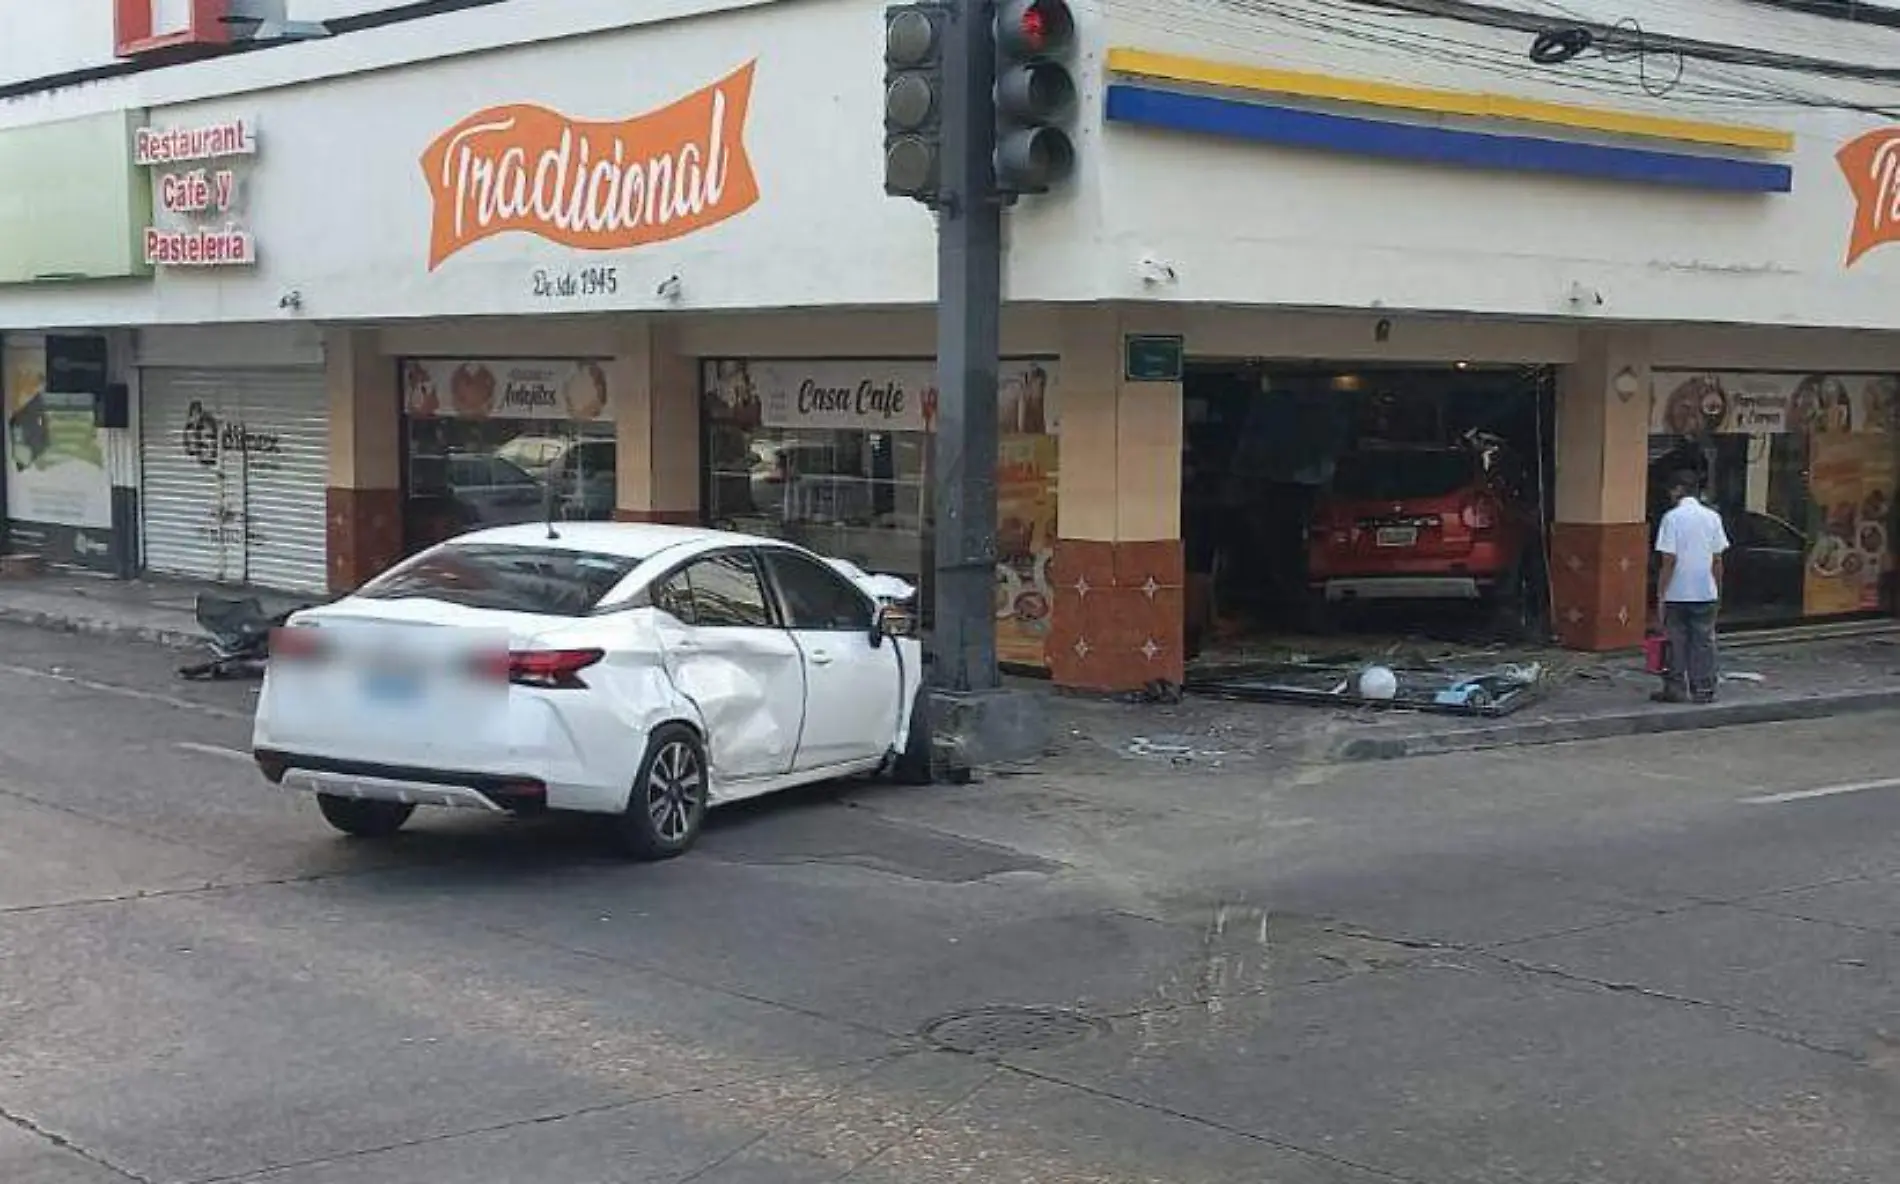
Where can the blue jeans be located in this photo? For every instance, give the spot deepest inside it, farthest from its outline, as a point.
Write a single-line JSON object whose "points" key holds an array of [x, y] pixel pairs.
{"points": [[1691, 630]]}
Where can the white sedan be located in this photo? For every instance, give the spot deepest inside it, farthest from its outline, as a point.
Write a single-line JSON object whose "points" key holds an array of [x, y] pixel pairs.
{"points": [[642, 673]]}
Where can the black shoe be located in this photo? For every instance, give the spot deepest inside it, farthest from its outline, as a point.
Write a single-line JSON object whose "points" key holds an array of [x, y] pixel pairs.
{"points": [[1667, 697]]}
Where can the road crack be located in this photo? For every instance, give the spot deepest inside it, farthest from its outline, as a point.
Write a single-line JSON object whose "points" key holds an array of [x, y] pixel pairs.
{"points": [[71, 1148]]}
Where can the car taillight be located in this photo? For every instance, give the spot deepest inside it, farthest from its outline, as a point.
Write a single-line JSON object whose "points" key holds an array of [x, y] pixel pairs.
{"points": [[551, 669], [296, 643], [1480, 515]]}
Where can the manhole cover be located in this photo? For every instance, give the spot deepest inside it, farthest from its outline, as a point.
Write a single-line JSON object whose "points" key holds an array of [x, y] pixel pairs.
{"points": [[987, 1031]]}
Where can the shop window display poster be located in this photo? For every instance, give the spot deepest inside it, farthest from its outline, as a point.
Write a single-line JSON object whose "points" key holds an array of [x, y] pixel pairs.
{"points": [[745, 397], [59, 497], [1849, 423], [1851, 480], [1026, 515]]}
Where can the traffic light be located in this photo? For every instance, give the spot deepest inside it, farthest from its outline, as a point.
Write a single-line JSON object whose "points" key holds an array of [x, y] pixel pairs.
{"points": [[913, 100], [1035, 95]]}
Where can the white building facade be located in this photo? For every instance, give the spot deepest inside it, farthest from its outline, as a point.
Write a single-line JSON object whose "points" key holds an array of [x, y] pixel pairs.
{"points": [[279, 315]]}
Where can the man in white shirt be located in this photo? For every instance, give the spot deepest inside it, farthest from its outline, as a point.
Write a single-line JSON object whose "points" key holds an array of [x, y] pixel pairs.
{"points": [[1691, 542]]}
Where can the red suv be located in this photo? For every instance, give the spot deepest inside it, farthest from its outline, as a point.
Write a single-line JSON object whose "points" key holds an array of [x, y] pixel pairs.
{"points": [[1411, 523]]}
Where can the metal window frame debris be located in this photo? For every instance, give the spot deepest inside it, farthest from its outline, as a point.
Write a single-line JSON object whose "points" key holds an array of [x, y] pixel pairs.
{"points": [[1487, 692]]}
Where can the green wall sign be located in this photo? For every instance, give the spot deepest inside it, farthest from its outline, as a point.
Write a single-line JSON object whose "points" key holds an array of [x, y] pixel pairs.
{"points": [[1154, 359], [72, 202]]}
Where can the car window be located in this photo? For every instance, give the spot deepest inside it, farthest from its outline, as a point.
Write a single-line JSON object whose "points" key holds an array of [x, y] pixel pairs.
{"points": [[817, 597], [727, 593], [1398, 474], [1764, 532], [507, 472], [514, 579], [589, 461], [674, 595]]}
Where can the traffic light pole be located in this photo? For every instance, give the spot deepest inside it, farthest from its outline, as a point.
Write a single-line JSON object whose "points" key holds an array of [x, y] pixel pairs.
{"points": [[975, 721], [969, 305]]}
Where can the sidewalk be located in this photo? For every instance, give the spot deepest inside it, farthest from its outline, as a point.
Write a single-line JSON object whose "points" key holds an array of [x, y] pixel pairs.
{"points": [[1766, 679], [156, 612], [1591, 697]]}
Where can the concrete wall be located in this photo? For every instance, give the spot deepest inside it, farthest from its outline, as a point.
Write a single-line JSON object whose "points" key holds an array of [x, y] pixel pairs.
{"points": [[343, 213]]}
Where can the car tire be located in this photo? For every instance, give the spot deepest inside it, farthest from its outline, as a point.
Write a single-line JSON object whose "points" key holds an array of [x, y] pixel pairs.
{"points": [[669, 799], [916, 765], [364, 818]]}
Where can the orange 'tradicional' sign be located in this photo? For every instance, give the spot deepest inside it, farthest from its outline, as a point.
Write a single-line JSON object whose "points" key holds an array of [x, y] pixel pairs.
{"points": [[1872, 165], [593, 186]]}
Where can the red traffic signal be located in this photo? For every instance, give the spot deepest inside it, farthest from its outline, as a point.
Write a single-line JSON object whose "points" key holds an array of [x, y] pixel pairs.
{"points": [[1034, 28], [1035, 95]]}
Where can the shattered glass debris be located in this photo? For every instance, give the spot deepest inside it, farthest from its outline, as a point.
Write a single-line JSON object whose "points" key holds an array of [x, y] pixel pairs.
{"points": [[1488, 691]]}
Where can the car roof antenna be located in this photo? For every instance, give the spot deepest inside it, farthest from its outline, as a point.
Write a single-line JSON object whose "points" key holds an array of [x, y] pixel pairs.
{"points": [[547, 499]]}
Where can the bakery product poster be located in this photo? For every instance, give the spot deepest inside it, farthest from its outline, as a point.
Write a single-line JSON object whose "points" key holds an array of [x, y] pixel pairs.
{"points": [[568, 391], [1025, 547], [1851, 484], [56, 474], [1697, 404]]}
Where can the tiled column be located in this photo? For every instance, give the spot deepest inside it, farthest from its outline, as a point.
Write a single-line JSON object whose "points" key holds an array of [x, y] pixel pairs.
{"points": [[657, 408], [364, 502], [1119, 615], [1600, 541]]}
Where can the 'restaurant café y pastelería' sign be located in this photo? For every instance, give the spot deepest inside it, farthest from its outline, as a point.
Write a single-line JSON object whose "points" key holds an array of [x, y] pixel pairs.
{"points": [[197, 192]]}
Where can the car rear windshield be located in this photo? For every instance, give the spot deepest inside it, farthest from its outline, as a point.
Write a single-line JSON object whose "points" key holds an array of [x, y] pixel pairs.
{"points": [[1389, 476], [545, 580]]}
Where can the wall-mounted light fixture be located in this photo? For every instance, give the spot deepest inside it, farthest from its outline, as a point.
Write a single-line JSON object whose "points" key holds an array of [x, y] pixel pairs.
{"points": [[1627, 383]]}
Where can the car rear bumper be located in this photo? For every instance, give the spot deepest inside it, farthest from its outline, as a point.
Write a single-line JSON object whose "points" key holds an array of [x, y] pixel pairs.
{"points": [[414, 787], [1405, 588]]}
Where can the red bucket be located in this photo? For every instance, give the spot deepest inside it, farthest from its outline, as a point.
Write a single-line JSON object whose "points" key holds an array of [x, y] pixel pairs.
{"points": [[1656, 653]]}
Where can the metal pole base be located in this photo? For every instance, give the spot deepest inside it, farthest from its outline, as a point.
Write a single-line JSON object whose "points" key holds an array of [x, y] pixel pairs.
{"points": [[970, 729]]}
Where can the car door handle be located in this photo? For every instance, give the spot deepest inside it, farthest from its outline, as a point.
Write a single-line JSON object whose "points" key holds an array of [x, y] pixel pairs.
{"points": [[820, 658]]}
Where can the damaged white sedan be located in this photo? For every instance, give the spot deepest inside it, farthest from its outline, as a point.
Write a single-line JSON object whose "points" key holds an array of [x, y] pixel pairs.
{"points": [[640, 673]]}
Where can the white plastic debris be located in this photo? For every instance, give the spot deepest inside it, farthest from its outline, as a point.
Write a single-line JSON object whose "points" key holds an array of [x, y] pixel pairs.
{"points": [[884, 589], [1378, 683]]}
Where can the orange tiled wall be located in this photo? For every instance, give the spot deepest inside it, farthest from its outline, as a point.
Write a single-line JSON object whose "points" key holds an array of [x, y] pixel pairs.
{"points": [[363, 534], [1119, 614], [1599, 578]]}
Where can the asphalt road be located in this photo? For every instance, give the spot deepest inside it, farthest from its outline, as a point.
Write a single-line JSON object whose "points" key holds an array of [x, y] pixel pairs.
{"points": [[1635, 962]]}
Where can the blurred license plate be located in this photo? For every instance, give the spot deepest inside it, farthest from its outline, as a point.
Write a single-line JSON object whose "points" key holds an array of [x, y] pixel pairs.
{"points": [[384, 687], [1398, 536]]}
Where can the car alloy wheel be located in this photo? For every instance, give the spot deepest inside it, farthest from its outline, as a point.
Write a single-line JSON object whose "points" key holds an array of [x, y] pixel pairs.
{"points": [[669, 799], [675, 786]]}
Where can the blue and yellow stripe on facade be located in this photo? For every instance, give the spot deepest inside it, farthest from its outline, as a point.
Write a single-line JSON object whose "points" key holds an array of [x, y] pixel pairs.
{"points": [[1153, 99]]}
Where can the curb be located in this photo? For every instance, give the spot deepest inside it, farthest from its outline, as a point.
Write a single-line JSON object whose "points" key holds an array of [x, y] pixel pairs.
{"points": [[1606, 727], [158, 635]]}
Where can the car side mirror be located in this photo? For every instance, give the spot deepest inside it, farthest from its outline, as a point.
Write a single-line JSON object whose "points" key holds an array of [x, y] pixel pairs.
{"points": [[891, 621]]}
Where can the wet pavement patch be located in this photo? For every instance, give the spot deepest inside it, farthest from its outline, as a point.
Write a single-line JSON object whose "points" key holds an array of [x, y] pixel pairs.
{"points": [[992, 1031]]}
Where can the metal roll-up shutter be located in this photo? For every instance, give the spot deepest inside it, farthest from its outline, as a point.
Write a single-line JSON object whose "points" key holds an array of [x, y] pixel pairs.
{"points": [[188, 498], [236, 466]]}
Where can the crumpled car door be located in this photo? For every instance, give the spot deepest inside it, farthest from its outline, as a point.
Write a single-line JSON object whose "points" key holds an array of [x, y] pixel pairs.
{"points": [[749, 688]]}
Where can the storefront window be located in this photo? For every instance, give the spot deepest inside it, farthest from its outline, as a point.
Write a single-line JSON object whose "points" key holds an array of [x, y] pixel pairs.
{"points": [[835, 455], [1803, 469], [491, 443]]}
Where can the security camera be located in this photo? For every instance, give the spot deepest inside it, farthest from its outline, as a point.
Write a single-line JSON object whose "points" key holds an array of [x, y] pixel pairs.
{"points": [[291, 301], [669, 288], [1156, 271]]}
